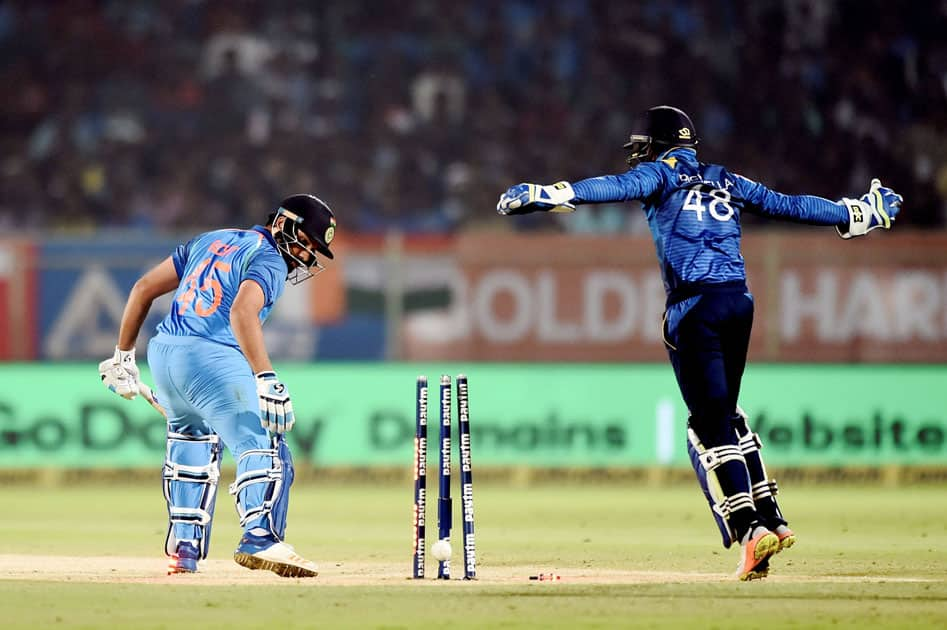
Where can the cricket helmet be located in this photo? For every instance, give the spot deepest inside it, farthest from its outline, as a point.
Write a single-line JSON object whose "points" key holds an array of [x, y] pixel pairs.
{"points": [[310, 215], [660, 128]]}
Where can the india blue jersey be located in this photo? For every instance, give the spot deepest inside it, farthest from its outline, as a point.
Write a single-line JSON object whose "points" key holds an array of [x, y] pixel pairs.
{"points": [[694, 212], [211, 267]]}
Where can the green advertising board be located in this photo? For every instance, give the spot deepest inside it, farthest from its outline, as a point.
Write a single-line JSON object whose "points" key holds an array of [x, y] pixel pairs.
{"points": [[564, 415]]}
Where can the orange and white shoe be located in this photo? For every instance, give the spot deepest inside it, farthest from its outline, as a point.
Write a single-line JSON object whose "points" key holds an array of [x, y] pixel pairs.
{"points": [[755, 550], [787, 538]]}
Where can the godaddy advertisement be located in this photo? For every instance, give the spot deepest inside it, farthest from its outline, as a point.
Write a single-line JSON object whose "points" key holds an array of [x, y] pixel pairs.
{"points": [[529, 414]]}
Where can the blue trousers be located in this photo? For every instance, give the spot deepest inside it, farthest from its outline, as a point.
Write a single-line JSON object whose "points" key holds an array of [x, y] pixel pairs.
{"points": [[707, 337], [206, 388]]}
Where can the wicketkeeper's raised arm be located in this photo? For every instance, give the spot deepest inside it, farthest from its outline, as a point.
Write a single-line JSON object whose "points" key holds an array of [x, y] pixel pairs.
{"points": [[564, 197], [852, 217]]}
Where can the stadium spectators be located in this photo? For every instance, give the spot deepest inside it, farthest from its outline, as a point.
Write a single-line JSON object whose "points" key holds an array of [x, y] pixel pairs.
{"points": [[181, 114]]}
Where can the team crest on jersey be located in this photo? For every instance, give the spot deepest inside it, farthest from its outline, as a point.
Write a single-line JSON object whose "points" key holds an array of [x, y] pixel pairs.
{"points": [[684, 133]]}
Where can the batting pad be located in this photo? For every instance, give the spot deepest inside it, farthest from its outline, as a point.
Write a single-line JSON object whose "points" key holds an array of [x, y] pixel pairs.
{"points": [[261, 488], [191, 472]]}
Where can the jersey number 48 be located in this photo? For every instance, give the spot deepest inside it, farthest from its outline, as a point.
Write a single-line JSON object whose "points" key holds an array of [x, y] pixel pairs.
{"points": [[719, 203]]}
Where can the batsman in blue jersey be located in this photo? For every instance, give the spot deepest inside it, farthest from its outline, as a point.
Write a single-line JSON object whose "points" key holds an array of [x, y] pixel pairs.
{"points": [[694, 211], [215, 381]]}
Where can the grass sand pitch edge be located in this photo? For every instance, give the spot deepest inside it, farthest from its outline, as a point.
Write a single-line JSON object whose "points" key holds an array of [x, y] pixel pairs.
{"points": [[215, 572]]}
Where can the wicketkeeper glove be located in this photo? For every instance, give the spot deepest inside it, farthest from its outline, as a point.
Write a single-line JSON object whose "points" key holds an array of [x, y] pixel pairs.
{"points": [[120, 373], [526, 198], [276, 409], [875, 209]]}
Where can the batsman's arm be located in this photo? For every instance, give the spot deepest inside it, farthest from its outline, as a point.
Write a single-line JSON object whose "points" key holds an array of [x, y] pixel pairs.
{"points": [[161, 279], [247, 327], [276, 408], [120, 373]]}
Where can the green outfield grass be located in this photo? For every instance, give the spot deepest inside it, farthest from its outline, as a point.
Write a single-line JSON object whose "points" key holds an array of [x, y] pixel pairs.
{"points": [[867, 557]]}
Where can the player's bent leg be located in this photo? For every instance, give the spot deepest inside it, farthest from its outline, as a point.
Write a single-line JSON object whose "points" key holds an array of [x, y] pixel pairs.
{"points": [[707, 463], [764, 489], [190, 476], [712, 465], [264, 477]]}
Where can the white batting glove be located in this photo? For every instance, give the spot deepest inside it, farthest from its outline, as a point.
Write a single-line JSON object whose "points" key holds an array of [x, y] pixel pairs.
{"points": [[120, 373], [276, 409], [526, 198]]}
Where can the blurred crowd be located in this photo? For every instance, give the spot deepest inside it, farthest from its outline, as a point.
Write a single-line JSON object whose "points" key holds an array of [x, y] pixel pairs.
{"points": [[414, 115]]}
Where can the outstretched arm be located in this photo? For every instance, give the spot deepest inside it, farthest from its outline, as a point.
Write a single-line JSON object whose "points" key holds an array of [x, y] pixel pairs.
{"points": [[851, 217], [637, 183], [800, 208]]}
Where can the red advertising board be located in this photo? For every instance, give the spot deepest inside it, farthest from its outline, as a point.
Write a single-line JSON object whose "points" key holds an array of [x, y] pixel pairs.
{"points": [[818, 298], [17, 300]]}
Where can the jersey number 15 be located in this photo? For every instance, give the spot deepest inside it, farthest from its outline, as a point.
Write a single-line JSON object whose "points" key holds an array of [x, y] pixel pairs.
{"points": [[198, 281]]}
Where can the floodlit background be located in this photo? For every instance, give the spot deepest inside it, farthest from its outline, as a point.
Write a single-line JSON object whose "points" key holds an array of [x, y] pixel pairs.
{"points": [[127, 126], [414, 116]]}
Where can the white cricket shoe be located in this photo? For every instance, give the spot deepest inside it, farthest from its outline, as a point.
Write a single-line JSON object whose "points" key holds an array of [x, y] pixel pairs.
{"points": [[265, 552]]}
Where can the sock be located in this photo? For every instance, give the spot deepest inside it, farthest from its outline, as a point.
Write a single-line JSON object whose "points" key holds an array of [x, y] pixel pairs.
{"points": [[744, 522]]}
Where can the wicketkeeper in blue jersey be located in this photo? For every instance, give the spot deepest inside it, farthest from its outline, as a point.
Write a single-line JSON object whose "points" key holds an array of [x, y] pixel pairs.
{"points": [[215, 381], [694, 211]]}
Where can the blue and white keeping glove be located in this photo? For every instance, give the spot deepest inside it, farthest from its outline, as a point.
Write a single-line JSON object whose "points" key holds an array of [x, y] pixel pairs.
{"points": [[526, 198], [276, 409], [875, 209], [120, 373]]}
